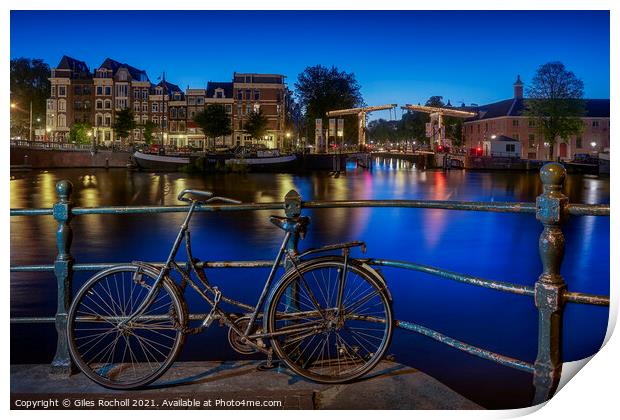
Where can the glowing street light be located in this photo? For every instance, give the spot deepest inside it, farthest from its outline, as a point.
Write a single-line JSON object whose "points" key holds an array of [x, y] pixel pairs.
{"points": [[593, 144]]}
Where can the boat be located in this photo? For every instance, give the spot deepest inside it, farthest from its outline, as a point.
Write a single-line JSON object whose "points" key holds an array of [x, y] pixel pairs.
{"points": [[160, 162], [266, 160]]}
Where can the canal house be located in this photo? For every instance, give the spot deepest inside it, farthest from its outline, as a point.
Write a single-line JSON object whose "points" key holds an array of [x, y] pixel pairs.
{"points": [[501, 146]]}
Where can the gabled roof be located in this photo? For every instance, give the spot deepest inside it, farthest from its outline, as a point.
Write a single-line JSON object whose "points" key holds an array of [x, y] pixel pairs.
{"points": [[595, 108], [168, 87], [136, 74], [227, 86], [70, 63]]}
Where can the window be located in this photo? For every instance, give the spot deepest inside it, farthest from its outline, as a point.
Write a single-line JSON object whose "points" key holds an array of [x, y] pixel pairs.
{"points": [[98, 104], [248, 109], [248, 94], [177, 96], [53, 91], [62, 120], [159, 90], [121, 103], [200, 100], [122, 90], [182, 126], [192, 113], [173, 126], [257, 95], [87, 105], [594, 123], [77, 90], [191, 100], [136, 93], [77, 105], [578, 142], [145, 94], [107, 104], [239, 110], [240, 95], [155, 107], [62, 105], [145, 107], [145, 118], [62, 91], [531, 138], [108, 120], [155, 119], [181, 112], [515, 123], [510, 147], [515, 136], [531, 123], [136, 106], [228, 108], [99, 120], [256, 108], [99, 90], [108, 90], [108, 136], [173, 112]]}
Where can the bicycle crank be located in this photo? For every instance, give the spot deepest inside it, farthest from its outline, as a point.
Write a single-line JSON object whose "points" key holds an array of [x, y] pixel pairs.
{"points": [[238, 343]]}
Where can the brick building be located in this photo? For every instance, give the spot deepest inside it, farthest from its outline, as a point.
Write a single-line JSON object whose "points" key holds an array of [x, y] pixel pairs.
{"points": [[71, 98], [77, 95], [505, 118], [254, 92]]}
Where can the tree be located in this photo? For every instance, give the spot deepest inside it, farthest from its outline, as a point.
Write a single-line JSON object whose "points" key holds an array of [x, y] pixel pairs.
{"points": [[413, 126], [29, 83], [79, 133], [149, 129], [124, 123], [214, 121], [555, 103], [256, 125], [294, 121], [320, 89], [436, 101]]}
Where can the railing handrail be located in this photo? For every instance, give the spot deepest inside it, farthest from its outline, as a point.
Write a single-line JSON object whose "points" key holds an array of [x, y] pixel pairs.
{"points": [[492, 206], [549, 292]]}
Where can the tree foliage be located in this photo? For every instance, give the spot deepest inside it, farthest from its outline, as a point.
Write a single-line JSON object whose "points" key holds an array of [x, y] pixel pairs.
{"points": [[29, 83], [124, 123], [214, 121], [320, 89], [256, 125], [149, 129], [79, 133], [555, 103]]}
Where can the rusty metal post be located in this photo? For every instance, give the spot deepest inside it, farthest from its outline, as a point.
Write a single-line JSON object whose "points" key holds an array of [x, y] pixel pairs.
{"points": [[292, 209], [63, 268], [551, 211]]}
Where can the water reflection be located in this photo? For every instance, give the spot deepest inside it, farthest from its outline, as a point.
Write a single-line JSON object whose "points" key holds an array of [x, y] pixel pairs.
{"points": [[492, 245]]}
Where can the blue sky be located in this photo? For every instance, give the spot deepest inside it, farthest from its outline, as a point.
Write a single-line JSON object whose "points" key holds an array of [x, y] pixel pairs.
{"points": [[398, 56]]}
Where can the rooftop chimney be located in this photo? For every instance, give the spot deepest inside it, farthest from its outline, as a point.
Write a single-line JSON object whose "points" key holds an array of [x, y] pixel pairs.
{"points": [[518, 88]]}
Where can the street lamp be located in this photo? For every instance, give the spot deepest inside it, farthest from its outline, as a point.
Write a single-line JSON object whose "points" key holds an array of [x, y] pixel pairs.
{"points": [[593, 144], [14, 106]]}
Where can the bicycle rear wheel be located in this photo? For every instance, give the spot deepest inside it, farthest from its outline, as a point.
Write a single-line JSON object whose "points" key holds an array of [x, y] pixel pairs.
{"points": [[310, 337], [137, 353]]}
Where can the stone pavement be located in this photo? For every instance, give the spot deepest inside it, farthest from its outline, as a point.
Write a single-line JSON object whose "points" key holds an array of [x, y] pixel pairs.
{"points": [[238, 385]]}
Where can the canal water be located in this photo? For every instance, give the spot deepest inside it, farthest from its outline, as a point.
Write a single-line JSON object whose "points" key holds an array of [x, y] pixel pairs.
{"points": [[489, 245]]}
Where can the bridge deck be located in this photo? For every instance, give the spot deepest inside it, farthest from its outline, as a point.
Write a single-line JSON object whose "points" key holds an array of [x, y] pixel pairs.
{"points": [[389, 386]]}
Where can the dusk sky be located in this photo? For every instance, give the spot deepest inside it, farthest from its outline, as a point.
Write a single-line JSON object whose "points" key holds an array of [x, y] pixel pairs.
{"points": [[398, 57]]}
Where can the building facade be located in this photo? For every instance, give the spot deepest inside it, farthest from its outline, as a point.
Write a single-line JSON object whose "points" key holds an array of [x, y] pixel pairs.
{"points": [[77, 95], [259, 92], [505, 118], [71, 98]]}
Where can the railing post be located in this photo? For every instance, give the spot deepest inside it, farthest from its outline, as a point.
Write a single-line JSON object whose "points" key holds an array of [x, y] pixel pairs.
{"points": [[63, 268], [551, 211], [292, 208]]}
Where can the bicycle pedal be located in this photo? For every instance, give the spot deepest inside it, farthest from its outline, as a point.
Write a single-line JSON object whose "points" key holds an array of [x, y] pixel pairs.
{"points": [[267, 366]]}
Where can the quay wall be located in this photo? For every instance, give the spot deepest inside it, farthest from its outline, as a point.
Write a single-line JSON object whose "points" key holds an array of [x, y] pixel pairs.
{"points": [[41, 158]]}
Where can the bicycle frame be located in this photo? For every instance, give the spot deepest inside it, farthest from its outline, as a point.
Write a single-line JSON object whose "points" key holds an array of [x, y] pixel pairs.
{"points": [[184, 233]]}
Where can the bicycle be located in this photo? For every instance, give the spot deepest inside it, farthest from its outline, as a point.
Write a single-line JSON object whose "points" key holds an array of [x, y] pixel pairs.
{"points": [[328, 317]]}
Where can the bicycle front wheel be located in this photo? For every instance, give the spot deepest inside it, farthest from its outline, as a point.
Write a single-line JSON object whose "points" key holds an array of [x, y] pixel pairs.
{"points": [[125, 355], [318, 340]]}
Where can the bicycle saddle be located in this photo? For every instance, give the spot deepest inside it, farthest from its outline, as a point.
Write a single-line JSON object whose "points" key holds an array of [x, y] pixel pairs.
{"points": [[291, 224]]}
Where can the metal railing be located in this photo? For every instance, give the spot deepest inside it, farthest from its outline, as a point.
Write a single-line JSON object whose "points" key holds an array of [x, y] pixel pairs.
{"points": [[550, 292]]}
